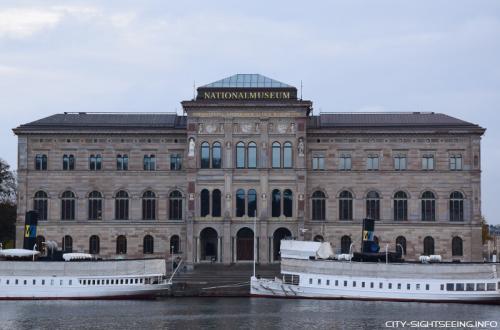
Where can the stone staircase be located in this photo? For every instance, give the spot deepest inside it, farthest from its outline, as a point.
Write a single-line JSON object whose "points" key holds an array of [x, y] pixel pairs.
{"points": [[219, 280]]}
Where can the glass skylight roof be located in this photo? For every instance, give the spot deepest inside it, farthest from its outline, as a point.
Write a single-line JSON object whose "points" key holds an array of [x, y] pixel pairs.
{"points": [[247, 80]]}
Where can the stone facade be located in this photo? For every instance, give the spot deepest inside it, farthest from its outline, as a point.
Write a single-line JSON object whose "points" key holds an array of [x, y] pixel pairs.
{"points": [[235, 119]]}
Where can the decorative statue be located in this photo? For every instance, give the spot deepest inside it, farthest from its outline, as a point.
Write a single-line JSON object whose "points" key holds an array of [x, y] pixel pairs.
{"points": [[221, 128], [200, 128], [301, 147], [191, 147], [292, 128]]}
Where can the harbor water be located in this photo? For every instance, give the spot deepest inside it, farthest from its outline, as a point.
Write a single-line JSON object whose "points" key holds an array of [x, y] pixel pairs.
{"points": [[233, 313]]}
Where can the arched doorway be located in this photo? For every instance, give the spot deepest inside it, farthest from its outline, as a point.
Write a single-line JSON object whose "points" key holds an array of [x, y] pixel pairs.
{"points": [[174, 244], [208, 244], [244, 244], [279, 234]]}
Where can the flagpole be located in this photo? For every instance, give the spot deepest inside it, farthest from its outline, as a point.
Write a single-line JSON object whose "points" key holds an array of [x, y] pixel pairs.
{"points": [[254, 240]]}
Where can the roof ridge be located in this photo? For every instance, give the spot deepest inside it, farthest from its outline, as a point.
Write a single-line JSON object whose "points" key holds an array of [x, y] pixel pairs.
{"points": [[248, 80]]}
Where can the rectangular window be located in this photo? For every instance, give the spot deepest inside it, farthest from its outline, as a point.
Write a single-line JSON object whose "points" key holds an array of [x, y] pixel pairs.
{"points": [[318, 162], [400, 162], [479, 286], [122, 162], [345, 162], [460, 287], [399, 286], [381, 285], [371, 285], [408, 286], [442, 287], [354, 284], [362, 284], [490, 286], [417, 286], [456, 162], [428, 162], [310, 281], [327, 282], [336, 282], [319, 281], [345, 283], [43, 282], [469, 287], [372, 163], [427, 286], [390, 285], [450, 287], [175, 162]]}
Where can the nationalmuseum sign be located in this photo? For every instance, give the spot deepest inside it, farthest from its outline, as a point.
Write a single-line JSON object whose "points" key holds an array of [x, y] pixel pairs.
{"points": [[270, 94]]}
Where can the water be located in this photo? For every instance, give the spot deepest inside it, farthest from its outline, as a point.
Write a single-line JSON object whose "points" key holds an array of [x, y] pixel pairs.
{"points": [[229, 313]]}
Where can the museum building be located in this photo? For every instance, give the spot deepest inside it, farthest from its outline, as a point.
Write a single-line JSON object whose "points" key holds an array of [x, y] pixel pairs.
{"points": [[248, 159]]}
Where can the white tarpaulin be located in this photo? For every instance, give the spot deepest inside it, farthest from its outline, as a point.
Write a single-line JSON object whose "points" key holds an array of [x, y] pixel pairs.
{"points": [[305, 249]]}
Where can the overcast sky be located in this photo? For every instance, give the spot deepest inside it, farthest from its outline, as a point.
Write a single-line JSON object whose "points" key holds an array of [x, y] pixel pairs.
{"points": [[144, 56]]}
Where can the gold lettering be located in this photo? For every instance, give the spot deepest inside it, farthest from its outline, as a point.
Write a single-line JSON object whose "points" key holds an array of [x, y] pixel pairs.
{"points": [[286, 95]]}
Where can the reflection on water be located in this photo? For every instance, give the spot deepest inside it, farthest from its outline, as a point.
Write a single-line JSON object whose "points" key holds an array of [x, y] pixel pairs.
{"points": [[228, 313]]}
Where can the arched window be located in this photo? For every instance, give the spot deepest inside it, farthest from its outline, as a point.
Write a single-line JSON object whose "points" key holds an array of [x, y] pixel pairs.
{"points": [[287, 203], [318, 238], [401, 244], [148, 244], [95, 162], [287, 155], [456, 206], [40, 204], [95, 206], [457, 247], [400, 206], [204, 203], [121, 245], [68, 162], [373, 205], [40, 240], [67, 244], [174, 244], [121, 205], [276, 203], [68, 206], [428, 246], [149, 163], [252, 155], [216, 203], [175, 205], [41, 162], [122, 162], [240, 202], [216, 155], [345, 205], [428, 206], [148, 205], [205, 155], [318, 205], [94, 244], [345, 244], [252, 203], [276, 155], [240, 155]]}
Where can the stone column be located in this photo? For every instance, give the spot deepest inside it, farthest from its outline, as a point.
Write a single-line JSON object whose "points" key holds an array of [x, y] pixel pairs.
{"points": [[219, 249], [198, 249]]}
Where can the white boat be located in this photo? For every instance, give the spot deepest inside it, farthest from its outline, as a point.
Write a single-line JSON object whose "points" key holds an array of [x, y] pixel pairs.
{"points": [[113, 279], [306, 272]]}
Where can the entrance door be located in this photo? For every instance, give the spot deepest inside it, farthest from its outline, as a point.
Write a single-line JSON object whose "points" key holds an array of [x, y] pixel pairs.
{"points": [[244, 244]]}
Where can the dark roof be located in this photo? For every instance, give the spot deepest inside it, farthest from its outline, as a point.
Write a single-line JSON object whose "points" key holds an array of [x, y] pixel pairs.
{"points": [[386, 119], [247, 80], [108, 120]]}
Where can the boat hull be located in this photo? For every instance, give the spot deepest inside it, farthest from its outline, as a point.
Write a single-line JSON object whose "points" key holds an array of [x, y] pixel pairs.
{"points": [[267, 288]]}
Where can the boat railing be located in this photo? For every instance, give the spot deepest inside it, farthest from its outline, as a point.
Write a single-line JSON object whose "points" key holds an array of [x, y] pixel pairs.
{"points": [[174, 272]]}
